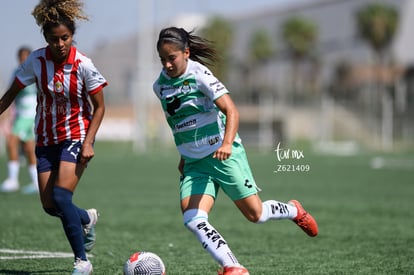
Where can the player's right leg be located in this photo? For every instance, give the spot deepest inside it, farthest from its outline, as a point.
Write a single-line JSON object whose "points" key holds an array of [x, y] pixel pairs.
{"points": [[196, 220], [29, 149], [198, 192]]}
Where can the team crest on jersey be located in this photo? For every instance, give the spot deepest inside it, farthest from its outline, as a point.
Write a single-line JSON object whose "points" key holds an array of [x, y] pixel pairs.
{"points": [[186, 88], [58, 87]]}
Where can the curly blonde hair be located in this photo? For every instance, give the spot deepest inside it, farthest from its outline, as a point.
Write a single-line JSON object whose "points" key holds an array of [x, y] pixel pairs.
{"points": [[55, 12]]}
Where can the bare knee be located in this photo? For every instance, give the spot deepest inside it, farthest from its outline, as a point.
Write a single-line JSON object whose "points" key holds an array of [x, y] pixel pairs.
{"points": [[253, 216], [251, 208]]}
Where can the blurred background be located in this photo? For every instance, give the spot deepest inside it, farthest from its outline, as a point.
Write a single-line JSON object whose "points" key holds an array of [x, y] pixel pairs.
{"points": [[337, 74]]}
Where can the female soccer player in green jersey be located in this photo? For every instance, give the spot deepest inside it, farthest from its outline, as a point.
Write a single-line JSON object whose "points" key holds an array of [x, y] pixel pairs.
{"points": [[204, 121], [22, 135]]}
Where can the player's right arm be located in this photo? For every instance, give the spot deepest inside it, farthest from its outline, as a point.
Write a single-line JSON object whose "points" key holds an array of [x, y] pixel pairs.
{"points": [[9, 96]]}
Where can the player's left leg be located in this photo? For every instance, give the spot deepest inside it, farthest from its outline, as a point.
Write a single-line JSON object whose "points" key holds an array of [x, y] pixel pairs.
{"points": [[72, 216], [64, 187], [257, 211], [89, 237]]}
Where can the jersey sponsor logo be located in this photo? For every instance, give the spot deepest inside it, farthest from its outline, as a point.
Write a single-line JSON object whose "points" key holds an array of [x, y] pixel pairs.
{"points": [[75, 155], [186, 124], [173, 103], [281, 208], [218, 86], [214, 140], [218, 89], [205, 140], [247, 184], [168, 88], [97, 75], [216, 83], [74, 149]]}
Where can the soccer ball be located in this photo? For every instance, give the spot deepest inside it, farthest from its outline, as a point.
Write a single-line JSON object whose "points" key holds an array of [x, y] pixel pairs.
{"points": [[144, 263]]}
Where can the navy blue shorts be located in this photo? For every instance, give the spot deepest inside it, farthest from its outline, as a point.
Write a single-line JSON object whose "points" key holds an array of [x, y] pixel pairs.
{"points": [[49, 157]]}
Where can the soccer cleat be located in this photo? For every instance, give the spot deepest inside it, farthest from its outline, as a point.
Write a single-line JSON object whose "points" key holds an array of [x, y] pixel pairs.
{"points": [[233, 270], [9, 186], [304, 220], [30, 189], [82, 267], [89, 238]]}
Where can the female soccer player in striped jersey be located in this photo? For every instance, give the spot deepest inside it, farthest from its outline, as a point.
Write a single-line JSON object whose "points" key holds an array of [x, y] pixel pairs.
{"points": [[204, 121], [66, 122]]}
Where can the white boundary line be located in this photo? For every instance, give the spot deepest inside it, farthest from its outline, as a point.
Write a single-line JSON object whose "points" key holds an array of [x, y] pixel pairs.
{"points": [[29, 254]]}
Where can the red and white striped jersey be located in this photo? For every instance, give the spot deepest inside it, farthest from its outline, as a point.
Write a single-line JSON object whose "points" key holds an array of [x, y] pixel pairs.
{"points": [[63, 108]]}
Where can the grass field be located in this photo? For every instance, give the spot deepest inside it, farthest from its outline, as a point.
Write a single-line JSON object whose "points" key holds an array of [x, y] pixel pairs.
{"points": [[365, 217]]}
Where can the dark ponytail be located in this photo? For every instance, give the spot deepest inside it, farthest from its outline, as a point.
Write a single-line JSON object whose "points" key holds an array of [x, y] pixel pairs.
{"points": [[201, 50]]}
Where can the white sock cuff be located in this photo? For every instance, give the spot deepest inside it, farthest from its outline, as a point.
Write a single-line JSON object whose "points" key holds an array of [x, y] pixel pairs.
{"points": [[13, 169], [33, 173], [194, 214], [265, 213], [276, 210], [14, 163]]}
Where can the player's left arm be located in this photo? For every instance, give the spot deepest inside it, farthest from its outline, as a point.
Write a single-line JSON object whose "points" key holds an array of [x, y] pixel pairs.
{"points": [[227, 106], [97, 99], [181, 164]]}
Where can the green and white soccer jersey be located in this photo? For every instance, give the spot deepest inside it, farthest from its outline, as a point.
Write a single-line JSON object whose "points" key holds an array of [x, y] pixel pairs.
{"points": [[188, 103], [24, 113], [25, 102]]}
